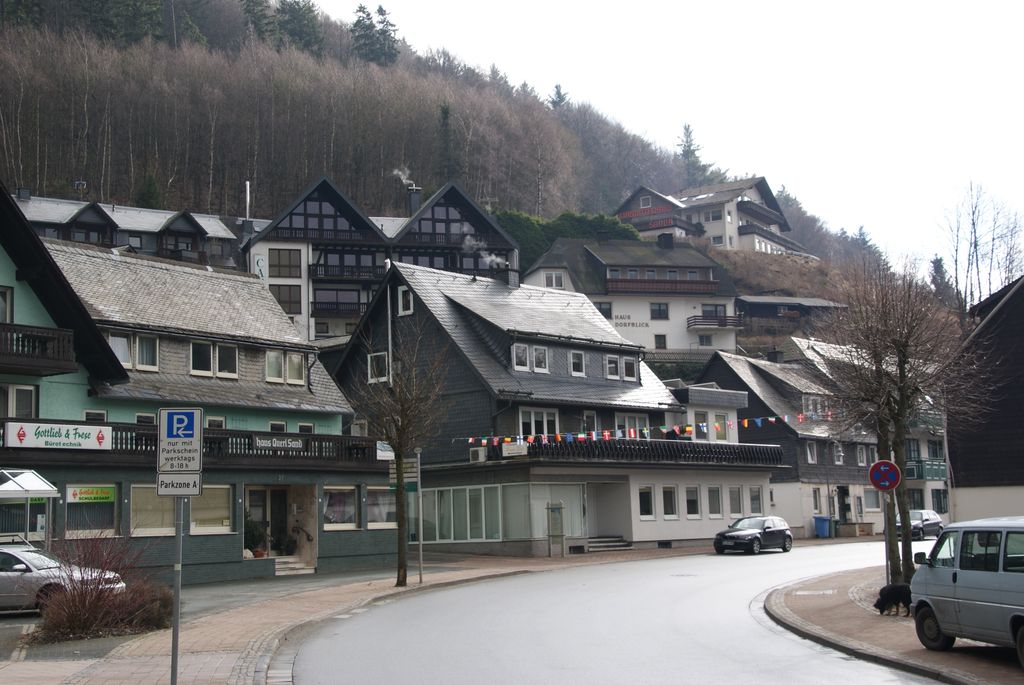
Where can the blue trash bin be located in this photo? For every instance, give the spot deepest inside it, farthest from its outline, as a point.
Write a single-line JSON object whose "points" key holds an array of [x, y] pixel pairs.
{"points": [[822, 525]]}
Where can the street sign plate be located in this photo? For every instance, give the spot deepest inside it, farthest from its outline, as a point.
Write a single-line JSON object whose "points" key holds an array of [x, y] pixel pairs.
{"points": [[884, 475], [180, 441], [179, 484]]}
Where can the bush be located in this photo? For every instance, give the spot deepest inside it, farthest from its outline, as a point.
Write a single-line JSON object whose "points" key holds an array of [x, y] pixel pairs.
{"points": [[84, 608]]}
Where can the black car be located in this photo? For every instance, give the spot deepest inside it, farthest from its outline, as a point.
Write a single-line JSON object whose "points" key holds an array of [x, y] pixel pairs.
{"points": [[923, 523], [754, 533]]}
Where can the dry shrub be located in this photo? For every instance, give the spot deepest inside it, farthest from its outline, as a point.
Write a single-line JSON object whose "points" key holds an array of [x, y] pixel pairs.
{"points": [[85, 608]]}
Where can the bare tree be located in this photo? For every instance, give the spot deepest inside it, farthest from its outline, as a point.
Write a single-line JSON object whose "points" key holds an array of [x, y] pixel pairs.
{"points": [[402, 401], [897, 359]]}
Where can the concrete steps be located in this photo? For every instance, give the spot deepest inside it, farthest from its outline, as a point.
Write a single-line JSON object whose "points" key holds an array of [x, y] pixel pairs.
{"points": [[608, 543], [291, 566]]}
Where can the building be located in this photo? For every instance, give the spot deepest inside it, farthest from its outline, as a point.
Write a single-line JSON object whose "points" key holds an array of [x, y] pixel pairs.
{"points": [[115, 338], [776, 315], [986, 471], [678, 304], [323, 258], [789, 405], [553, 406], [183, 236], [738, 215]]}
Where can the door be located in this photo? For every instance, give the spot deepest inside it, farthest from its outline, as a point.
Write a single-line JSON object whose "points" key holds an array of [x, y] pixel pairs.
{"points": [[977, 586], [278, 519], [258, 512], [935, 582]]}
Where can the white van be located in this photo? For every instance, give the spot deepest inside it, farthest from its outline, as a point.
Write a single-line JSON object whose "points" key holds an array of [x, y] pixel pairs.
{"points": [[972, 585]]}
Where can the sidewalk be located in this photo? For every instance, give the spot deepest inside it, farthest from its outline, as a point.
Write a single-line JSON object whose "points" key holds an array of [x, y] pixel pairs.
{"points": [[250, 643]]}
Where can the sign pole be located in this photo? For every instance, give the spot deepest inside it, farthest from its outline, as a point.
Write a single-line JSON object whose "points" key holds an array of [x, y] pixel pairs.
{"points": [[885, 510], [419, 497], [176, 623]]}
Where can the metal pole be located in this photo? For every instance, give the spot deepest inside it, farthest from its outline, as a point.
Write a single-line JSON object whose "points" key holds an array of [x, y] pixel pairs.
{"points": [[419, 497], [177, 589], [885, 518]]}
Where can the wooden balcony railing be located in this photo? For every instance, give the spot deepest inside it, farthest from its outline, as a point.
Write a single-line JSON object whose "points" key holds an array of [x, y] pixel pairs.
{"points": [[349, 273], [137, 444], [654, 285], [337, 308], [325, 235], [36, 351], [651, 451], [714, 322]]}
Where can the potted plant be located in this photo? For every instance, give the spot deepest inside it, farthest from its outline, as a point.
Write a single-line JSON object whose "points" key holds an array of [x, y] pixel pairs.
{"points": [[255, 536], [290, 544]]}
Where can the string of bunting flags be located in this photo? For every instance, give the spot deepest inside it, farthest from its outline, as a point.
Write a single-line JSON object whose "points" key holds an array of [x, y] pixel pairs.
{"points": [[639, 433]]}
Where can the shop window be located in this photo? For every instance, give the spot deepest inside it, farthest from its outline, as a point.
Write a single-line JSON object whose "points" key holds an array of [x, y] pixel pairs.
{"points": [[211, 511], [380, 508], [150, 513], [91, 511], [341, 508]]}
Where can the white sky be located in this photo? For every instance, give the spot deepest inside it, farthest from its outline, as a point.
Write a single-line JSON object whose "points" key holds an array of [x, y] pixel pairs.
{"points": [[874, 114]]}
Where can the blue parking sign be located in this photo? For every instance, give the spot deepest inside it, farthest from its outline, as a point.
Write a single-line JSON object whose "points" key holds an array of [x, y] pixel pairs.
{"points": [[181, 425]]}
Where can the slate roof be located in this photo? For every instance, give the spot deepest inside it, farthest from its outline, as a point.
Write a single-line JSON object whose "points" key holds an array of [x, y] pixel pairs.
{"points": [[644, 190], [802, 301], [57, 211], [461, 303], [586, 261], [724, 192], [175, 297]]}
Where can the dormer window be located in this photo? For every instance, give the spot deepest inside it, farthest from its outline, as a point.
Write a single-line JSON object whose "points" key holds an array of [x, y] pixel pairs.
{"points": [[530, 358], [629, 368], [521, 357], [540, 359], [577, 363], [554, 279], [611, 366], [121, 344], [645, 202], [815, 406]]}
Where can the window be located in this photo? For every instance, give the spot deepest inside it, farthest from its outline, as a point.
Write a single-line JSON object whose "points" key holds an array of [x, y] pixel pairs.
{"points": [[289, 297], [151, 514], [837, 453], [632, 274], [211, 511], [713, 215], [814, 406], [735, 501], [1014, 554], [341, 509], [668, 502], [632, 426], [691, 275], [577, 363], [17, 401], [650, 274], [540, 359], [645, 201], [322, 329], [285, 263], [538, 421], [692, 501], [521, 356], [659, 341], [145, 419], [306, 428], [589, 420], [614, 273], [296, 368], [862, 456], [121, 344], [728, 215], [721, 427], [940, 501], [812, 452], [872, 454], [979, 550], [646, 496], [611, 367], [915, 498], [202, 359], [227, 361], [712, 311], [705, 340], [935, 451], [404, 301], [672, 274], [605, 308], [215, 422], [91, 510], [816, 499], [659, 310], [755, 500], [913, 449], [554, 279], [700, 425], [380, 508], [871, 500], [629, 368], [717, 240], [715, 501], [376, 367], [6, 304], [147, 349], [278, 427], [135, 241], [943, 554], [95, 415]]}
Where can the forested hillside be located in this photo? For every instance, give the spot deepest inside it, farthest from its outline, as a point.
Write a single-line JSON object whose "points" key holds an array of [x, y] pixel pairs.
{"points": [[177, 104]]}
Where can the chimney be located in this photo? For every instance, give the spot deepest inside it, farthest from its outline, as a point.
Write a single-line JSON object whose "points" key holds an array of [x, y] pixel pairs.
{"points": [[665, 241], [248, 228], [413, 198], [776, 355], [24, 193]]}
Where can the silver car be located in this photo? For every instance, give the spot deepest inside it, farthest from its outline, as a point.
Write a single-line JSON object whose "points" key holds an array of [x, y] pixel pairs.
{"points": [[30, 576]]}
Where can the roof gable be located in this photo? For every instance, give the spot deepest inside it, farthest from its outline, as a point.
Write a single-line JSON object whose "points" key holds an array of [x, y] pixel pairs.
{"points": [[453, 195]]}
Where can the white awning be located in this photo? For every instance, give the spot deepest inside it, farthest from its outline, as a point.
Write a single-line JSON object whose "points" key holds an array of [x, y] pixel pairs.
{"points": [[24, 483]]}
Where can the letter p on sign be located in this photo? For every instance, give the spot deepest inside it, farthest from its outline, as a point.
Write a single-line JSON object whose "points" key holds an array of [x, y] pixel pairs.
{"points": [[181, 425]]}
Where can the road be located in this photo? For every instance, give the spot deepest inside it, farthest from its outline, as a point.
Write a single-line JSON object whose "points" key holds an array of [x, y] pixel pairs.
{"points": [[677, 620]]}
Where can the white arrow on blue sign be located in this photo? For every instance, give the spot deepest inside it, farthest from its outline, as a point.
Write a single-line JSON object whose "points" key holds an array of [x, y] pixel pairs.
{"points": [[180, 441]]}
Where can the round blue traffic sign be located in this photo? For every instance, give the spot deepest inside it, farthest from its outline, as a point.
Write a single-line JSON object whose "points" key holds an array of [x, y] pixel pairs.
{"points": [[884, 475]]}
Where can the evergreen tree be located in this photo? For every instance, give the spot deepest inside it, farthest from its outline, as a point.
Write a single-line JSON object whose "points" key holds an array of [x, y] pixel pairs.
{"points": [[448, 160], [260, 17], [942, 285], [365, 41], [558, 97], [694, 171], [22, 13], [148, 195], [137, 20], [387, 43], [298, 22]]}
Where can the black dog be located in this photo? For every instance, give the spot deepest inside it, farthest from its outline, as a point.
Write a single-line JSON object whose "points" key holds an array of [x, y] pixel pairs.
{"points": [[891, 597]]}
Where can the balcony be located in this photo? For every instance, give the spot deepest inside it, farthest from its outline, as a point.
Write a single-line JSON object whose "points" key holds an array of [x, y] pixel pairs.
{"points": [[325, 235], [925, 469], [714, 322], [348, 309], [191, 256], [34, 351], [641, 285], [338, 272], [135, 445], [650, 452]]}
